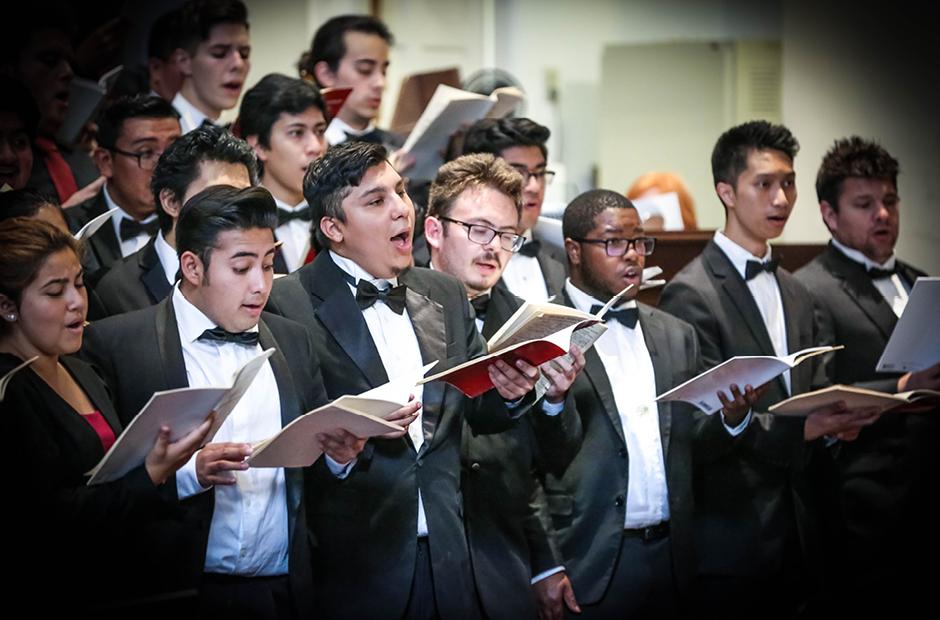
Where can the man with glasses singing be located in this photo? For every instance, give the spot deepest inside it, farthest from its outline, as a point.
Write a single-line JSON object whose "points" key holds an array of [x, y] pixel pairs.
{"points": [[132, 134], [623, 508], [533, 273]]}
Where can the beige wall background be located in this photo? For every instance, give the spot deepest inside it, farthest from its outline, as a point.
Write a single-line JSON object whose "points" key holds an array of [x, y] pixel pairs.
{"points": [[860, 67]]}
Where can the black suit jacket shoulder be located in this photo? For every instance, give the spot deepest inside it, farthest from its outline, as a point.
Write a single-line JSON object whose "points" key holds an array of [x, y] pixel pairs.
{"points": [[132, 283], [103, 248]]}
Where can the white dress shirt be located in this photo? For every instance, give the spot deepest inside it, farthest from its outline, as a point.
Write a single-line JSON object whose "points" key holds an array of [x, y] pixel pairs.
{"points": [[248, 535], [338, 131], [630, 370], [129, 246], [294, 237], [766, 293], [168, 258], [191, 117], [893, 289], [395, 340], [523, 276]]}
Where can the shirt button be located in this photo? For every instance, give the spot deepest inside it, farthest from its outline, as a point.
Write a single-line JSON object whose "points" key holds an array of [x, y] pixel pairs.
{"points": [[618, 501], [622, 452], [475, 467]]}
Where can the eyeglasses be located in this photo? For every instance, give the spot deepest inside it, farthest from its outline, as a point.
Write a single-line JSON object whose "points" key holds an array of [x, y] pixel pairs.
{"points": [[146, 160], [541, 176], [478, 233], [618, 247]]}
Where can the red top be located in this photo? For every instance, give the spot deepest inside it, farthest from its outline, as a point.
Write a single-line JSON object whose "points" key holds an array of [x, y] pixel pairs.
{"points": [[101, 426]]}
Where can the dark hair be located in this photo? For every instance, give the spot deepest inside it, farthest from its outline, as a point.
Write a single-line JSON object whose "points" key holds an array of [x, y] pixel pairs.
{"points": [[24, 203], [729, 157], [329, 44], [476, 170], [219, 208], [330, 178], [853, 157], [197, 18], [578, 219], [494, 135], [273, 95], [30, 18], [112, 117], [164, 36], [17, 100], [179, 165], [27, 243]]}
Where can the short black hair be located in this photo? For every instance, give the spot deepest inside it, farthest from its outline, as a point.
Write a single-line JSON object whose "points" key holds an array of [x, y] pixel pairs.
{"points": [[494, 135], [273, 95], [578, 219], [198, 17], [17, 100], [329, 44], [330, 178], [729, 157], [112, 117], [220, 208], [24, 203], [164, 36], [179, 165], [853, 157]]}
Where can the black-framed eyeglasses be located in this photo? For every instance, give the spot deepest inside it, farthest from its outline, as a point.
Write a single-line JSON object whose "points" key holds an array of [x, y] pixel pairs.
{"points": [[644, 246], [478, 233], [146, 160], [542, 176]]}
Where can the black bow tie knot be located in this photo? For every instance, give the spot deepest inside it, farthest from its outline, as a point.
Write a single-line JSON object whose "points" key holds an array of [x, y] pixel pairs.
{"points": [[480, 304], [876, 273], [626, 316], [393, 297], [754, 268], [131, 228], [217, 334], [284, 216], [531, 248]]}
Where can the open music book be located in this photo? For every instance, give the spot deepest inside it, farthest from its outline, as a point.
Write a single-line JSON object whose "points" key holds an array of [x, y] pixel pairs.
{"points": [[854, 397]]}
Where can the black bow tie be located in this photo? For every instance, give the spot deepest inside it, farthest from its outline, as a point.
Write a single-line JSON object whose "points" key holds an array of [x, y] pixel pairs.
{"points": [[217, 334], [755, 267], [875, 273], [207, 122], [284, 216], [394, 297], [372, 137], [627, 316], [480, 303], [531, 248], [131, 228]]}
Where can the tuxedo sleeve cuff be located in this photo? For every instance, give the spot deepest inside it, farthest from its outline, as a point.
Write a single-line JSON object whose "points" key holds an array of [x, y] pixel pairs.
{"points": [[187, 484], [734, 431], [340, 470], [546, 574]]}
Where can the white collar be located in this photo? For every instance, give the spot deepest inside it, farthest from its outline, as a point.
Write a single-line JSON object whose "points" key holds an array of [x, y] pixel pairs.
{"points": [[584, 301], [858, 257], [190, 319], [737, 254], [338, 131], [193, 115], [352, 268], [286, 207]]}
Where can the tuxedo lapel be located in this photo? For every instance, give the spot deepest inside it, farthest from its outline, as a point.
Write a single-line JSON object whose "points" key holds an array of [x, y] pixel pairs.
{"points": [[427, 318], [654, 334], [500, 309], [859, 288], [342, 319], [96, 392], [152, 274], [169, 347], [280, 263]]}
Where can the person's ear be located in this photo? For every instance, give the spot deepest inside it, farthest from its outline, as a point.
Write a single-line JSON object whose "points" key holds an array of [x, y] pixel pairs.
{"points": [[191, 268], [324, 74], [726, 194]]}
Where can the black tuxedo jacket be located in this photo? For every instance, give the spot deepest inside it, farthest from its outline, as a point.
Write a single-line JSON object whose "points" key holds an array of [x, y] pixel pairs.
{"points": [[366, 524], [753, 506], [133, 283], [588, 502], [103, 248], [123, 533], [140, 353], [554, 271], [504, 507]]}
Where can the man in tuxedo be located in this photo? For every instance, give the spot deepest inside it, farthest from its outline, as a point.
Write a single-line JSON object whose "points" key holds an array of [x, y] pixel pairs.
{"points": [[883, 481], [471, 229], [756, 531], [250, 555], [215, 59], [205, 156], [132, 134], [375, 318], [283, 119], [533, 274]]}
